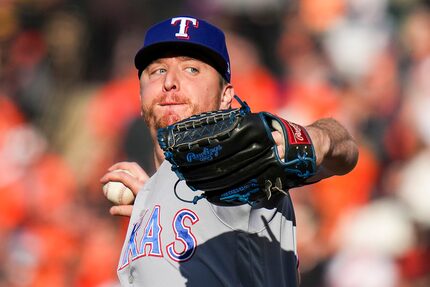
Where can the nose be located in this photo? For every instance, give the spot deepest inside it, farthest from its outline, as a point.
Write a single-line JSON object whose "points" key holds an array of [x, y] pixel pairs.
{"points": [[171, 81]]}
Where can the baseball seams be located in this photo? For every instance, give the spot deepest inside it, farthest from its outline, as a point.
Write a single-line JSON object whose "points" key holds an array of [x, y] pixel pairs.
{"points": [[117, 192]]}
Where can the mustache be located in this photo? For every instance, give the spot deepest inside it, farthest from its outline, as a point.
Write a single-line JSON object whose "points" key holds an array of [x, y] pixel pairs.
{"points": [[175, 98], [150, 117]]}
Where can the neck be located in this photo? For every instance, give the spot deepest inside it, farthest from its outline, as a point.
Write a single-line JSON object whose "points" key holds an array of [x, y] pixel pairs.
{"points": [[158, 155], [158, 152]]}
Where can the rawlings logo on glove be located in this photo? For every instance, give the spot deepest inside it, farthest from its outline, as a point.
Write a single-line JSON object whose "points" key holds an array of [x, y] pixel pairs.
{"points": [[207, 154], [231, 156]]}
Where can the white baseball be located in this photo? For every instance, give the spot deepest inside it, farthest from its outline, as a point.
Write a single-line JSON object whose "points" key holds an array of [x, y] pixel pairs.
{"points": [[117, 192]]}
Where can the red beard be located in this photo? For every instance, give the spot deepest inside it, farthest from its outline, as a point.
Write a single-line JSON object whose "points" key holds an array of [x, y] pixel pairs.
{"points": [[169, 117]]}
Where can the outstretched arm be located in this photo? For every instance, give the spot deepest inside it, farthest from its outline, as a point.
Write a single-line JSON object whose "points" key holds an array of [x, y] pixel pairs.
{"points": [[335, 149]]}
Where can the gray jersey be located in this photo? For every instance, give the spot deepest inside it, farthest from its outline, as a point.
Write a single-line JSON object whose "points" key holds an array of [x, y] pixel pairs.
{"points": [[173, 243]]}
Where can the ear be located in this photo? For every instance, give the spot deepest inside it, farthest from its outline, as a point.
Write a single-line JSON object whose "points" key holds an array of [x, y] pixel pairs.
{"points": [[227, 96], [140, 98]]}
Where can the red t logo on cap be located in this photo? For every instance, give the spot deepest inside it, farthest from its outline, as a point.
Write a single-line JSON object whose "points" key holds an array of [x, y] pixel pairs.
{"points": [[184, 25]]}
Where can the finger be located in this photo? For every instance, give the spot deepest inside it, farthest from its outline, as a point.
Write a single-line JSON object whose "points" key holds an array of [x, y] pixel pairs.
{"points": [[277, 137], [121, 210], [133, 167], [280, 152], [128, 180], [280, 143]]}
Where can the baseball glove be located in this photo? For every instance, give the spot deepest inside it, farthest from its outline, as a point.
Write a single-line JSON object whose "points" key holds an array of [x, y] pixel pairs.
{"points": [[232, 157]]}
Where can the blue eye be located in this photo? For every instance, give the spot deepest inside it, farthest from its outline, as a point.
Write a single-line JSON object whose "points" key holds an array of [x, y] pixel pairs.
{"points": [[160, 71], [192, 70]]}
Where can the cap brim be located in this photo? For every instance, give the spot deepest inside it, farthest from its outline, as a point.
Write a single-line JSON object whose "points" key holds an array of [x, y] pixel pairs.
{"points": [[148, 54]]}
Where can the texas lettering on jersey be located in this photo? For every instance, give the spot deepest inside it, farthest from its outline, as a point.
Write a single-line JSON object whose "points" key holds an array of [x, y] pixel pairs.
{"points": [[146, 237]]}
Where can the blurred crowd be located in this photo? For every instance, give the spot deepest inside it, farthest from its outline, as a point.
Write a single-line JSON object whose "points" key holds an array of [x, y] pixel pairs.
{"points": [[69, 104]]}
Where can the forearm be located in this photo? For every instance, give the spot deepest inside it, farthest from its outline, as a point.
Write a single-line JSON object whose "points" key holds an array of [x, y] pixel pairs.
{"points": [[336, 151]]}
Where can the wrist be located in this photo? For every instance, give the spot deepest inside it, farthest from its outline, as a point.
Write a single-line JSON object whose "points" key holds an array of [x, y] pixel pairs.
{"points": [[320, 141]]}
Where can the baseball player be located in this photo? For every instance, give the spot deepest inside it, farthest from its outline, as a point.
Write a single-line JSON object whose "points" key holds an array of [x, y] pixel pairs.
{"points": [[184, 70]]}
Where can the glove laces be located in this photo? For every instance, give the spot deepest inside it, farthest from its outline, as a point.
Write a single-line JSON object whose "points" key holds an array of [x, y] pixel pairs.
{"points": [[193, 201]]}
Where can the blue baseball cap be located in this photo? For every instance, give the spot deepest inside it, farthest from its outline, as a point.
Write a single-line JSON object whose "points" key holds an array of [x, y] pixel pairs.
{"points": [[188, 36]]}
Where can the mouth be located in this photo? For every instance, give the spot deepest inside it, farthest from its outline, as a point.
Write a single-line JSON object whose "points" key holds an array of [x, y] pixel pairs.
{"points": [[170, 104]]}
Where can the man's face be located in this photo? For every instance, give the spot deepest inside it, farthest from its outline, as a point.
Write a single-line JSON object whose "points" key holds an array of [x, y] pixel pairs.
{"points": [[174, 88]]}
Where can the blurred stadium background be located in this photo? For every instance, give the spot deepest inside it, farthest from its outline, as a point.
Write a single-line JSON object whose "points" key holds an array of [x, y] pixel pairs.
{"points": [[69, 108]]}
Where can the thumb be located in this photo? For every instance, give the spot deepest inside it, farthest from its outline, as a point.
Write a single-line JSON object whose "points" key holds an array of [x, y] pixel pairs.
{"points": [[121, 210]]}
